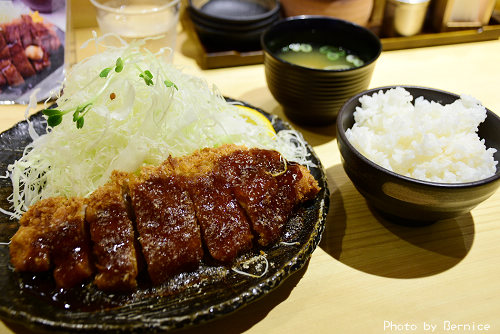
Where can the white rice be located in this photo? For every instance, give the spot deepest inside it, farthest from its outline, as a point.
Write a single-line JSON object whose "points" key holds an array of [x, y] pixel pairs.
{"points": [[426, 141]]}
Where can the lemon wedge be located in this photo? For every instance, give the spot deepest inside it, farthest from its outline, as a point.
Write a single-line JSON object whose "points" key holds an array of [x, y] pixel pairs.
{"points": [[255, 117]]}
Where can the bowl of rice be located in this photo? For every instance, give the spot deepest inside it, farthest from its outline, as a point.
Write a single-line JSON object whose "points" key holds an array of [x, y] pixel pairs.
{"points": [[419, 155]]}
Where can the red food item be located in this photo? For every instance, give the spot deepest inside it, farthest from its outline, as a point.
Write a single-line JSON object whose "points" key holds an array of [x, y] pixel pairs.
{"points": [[18, 39], [10, 72], [25, 31], [3, 81], [20, 61], [4, 49], [11, 32]]}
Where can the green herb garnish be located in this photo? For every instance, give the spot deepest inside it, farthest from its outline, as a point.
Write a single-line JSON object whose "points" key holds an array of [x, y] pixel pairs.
{"points": [[80, 113], [54, 120], [119, 65], [169, 83], [55, 116], [104, 73], [118, 68], [148, 77]]}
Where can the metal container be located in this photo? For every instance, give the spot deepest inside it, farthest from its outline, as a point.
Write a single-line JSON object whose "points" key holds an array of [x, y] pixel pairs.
{"points": [[404, 17]]}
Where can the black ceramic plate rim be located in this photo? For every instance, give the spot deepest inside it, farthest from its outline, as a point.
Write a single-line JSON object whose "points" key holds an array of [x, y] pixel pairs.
{"points": [[259, 289], [247, 19], [463, 185], [318, 17]]}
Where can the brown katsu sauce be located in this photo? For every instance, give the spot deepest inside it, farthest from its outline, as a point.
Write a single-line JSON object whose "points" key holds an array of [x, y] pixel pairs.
{"points": [[223, 223], [181, 219], [166, 223], [115, 245], [71, 250], [263, 183], [54, 235]]}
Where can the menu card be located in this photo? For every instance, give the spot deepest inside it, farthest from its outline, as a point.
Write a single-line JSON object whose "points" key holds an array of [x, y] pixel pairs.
{"points": [[32, 42]]}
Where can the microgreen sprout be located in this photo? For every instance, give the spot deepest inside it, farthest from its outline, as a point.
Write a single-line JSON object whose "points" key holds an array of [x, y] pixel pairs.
{"points": [[104, 73], [119, 65], [169, 83], [80, 113], [54, 116], [148, 77], [118, 68]]}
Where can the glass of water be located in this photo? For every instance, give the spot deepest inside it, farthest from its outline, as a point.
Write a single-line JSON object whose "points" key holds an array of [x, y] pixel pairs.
{"points": [[155, 20]]}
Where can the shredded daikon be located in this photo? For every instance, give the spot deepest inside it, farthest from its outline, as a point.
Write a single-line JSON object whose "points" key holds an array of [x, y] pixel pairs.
{"points": [[130, 124]]}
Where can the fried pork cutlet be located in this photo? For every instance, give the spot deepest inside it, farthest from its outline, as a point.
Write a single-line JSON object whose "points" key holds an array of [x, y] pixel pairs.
{"points": [[221, 198], [53, 234], [224, 226], [166, 223], [113, 236], [267, 187]]}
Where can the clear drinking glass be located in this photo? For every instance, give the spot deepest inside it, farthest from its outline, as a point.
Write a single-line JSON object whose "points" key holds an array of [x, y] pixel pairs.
{"points": [[138, 19]]}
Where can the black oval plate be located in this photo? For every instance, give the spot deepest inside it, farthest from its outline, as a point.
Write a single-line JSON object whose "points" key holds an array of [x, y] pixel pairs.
{"points": [[186, 300]]}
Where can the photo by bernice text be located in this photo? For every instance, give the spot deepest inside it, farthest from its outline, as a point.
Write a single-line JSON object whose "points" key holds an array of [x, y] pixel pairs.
{"points": [[438, 327]]}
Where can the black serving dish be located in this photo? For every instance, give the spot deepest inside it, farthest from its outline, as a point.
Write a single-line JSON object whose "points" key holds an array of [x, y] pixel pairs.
{"points": [[406, 200], [224, 25], [314, 96], [186, 300], [233, 13], [226, 40]]}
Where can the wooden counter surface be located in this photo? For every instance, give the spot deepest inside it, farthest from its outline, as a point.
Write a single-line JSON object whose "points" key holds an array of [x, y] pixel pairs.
{"points": [[367, 273]]}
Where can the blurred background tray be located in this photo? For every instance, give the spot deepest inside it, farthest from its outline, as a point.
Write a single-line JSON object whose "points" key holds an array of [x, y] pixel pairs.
{"points": [[210, 59], [489, 32], [218, 59]]}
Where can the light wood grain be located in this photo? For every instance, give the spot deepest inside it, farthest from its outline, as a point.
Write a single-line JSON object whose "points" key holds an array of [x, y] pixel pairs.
{"points": [[368, 271]]}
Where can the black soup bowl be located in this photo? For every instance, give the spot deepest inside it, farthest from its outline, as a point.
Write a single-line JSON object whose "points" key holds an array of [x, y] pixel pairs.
{"points": [[312, 96], [406, 200]]}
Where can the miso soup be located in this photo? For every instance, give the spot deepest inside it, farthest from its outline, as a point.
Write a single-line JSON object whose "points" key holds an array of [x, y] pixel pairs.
{"points": [[325, 57]]}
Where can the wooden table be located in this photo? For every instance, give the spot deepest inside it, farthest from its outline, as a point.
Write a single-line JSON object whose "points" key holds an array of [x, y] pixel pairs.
{"points": [[368, 275]]}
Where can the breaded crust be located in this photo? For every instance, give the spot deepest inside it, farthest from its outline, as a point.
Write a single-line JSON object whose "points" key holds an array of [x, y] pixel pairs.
{"points": [[115, 245], [166, 223], [224, 226], [224, 200], [54, 234]]}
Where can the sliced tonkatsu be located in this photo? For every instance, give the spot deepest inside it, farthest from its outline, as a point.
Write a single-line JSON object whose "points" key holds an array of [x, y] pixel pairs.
{"points": [[220, 200], [267, 187], [224, 225], [53, 234], [166, 223], [115, 245]]}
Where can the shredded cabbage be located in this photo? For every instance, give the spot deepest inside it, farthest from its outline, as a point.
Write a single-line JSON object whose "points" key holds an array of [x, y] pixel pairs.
{"points": [[131, 124]]}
